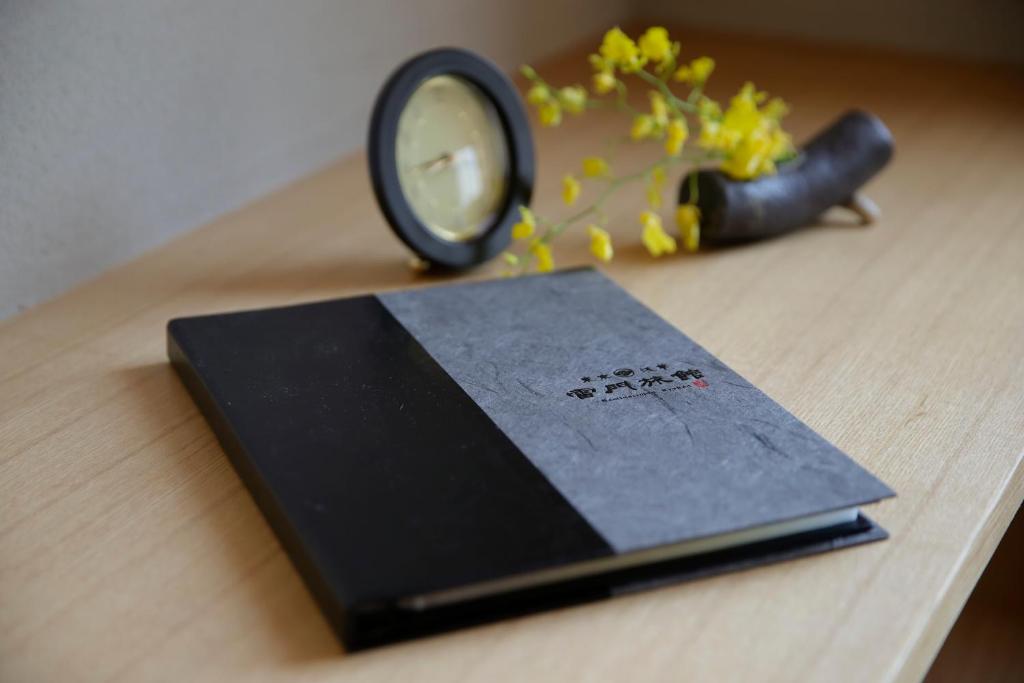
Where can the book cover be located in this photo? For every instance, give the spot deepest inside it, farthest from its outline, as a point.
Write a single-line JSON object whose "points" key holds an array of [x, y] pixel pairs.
{"points": [[442, 456]]}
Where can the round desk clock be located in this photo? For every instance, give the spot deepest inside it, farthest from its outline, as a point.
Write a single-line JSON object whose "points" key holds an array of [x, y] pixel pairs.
{"points": [[451, 157]]}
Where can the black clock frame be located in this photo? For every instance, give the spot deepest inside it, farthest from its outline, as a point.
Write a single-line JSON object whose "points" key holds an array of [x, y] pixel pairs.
{"points": [[391, 101]]}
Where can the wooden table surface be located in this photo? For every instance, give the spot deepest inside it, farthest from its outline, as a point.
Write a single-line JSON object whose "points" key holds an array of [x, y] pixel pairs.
{"points": [[129, 550]]}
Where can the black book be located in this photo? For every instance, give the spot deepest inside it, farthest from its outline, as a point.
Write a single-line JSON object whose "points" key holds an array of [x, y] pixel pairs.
{"points": [[444, 456]]}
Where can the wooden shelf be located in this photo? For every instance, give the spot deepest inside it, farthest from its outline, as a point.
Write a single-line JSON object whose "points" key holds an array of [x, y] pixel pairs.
{"points": [[129, 550], [985, 643]]}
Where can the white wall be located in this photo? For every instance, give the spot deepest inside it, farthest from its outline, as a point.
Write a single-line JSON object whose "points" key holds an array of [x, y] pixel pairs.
{"points": [[124, 122], [988, 30]]}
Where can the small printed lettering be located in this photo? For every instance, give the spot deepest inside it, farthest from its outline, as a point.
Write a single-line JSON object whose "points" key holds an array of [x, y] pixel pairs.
{"points": [[610, 388], [647, 377]]}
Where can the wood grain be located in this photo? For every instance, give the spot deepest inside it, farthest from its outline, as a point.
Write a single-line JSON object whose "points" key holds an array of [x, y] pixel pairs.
{"points": [[129, 550]]}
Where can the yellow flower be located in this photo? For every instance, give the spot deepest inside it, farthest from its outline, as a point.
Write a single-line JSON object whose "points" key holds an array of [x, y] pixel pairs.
{"points": [[750, 158], [654, 196], [604, 82], [521, 231], [696, 72], [538, 94], [709, 131], [600, 243], [713, 135], [595, 167], [782, 143], [776, 108], [677, 134], [658, 176], [600, 63], [750, 134], [526, 225], [570, 189], [550, 114], [659, 109], [688, 222], [702, 68], [573, 99], [655, 45], [654, 187], [743, 115], [654, 237], [643, 127], [618, 49], [542, 252], [707, 108]]}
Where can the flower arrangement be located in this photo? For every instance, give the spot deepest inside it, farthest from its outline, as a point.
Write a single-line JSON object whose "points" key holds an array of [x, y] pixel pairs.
{"points": [[746, 139]]}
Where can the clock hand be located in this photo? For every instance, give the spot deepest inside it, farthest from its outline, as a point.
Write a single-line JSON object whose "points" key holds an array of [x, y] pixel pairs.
{"points": [[445, 160], [437, 164]]}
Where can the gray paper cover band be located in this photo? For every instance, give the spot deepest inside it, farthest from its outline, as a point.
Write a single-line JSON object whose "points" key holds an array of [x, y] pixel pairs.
{"points": [[671, 454]]}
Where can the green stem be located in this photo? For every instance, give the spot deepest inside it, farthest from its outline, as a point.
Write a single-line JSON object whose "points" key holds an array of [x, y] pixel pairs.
{"points": [[695, 95], [613, 185], [621, 102], [663, 88], [611, 145]]}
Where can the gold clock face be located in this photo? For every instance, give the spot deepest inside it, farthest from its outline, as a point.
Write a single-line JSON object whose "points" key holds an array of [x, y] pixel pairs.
{"points": [[452, 157]]}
